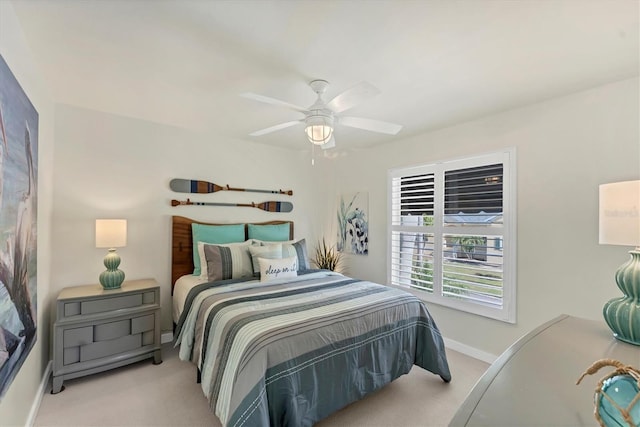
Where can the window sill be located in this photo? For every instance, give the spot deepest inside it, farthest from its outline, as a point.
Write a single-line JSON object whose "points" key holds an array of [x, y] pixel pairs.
{"points": [[479, 310]]}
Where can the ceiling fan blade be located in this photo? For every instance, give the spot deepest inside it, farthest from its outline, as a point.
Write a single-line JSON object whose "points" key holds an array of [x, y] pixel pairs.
{"points": [[371, 125], [275, 128], [273, 101], [353, 96], [331, 143]]}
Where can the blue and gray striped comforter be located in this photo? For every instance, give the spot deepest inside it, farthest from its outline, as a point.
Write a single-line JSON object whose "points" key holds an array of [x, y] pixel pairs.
{"points": [[289, 353]]}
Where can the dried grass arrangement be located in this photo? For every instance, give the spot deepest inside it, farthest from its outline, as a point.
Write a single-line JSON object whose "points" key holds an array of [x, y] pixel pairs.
{"points": [[327, 257]]}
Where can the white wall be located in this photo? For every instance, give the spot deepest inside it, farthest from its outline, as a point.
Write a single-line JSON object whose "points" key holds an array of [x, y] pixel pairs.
{"points": [[17, 403], [565, 148], [108, 166]]}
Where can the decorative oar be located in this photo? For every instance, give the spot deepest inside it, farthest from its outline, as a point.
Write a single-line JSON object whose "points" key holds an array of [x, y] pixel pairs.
{"points": [[195, 186], [265, 206]]}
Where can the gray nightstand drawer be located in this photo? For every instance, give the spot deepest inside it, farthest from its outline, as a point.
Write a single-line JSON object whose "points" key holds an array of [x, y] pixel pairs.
{"points": [[71, 356], [112, 330], [148, 337], [77, 308], [110, 304], [143, 324], [106, 339], [78, 336], [72, 309], [109, 348], [149, 298]]}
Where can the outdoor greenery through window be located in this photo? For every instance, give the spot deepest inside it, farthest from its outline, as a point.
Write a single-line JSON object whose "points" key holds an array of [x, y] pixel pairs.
{"points": [[452, 233]]}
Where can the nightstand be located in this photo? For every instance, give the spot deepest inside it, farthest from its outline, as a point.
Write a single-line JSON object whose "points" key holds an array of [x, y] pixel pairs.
{"points": [[97, 329]]}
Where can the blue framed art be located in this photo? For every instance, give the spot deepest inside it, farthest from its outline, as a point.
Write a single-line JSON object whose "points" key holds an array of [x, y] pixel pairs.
{"points": [[353, 223]]}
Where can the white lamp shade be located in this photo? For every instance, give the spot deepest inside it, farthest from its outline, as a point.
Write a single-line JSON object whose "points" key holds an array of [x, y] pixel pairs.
{"points": [[620, 213], [111, 233]]}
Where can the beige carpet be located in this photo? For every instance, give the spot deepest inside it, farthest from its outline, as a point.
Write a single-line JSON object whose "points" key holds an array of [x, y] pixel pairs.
{"points": [[167, 395]]}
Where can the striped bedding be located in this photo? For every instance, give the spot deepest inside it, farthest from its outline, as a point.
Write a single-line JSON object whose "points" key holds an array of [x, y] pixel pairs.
{"points": [[290, 352]]}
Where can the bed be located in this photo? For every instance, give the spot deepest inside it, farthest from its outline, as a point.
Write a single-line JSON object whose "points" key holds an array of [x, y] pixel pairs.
{"points": [[283, 349]]}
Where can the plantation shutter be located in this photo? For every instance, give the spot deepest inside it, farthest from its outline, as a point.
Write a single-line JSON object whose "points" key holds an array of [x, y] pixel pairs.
{"points": [[412, 238], [450, 233]]}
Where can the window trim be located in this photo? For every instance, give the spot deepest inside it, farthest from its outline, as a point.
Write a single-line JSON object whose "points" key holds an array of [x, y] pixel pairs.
{"points": [[507, 157]]}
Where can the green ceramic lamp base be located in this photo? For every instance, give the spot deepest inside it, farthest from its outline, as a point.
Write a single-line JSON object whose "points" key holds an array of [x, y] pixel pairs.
{"points": [[623, 314], [112, 278]]}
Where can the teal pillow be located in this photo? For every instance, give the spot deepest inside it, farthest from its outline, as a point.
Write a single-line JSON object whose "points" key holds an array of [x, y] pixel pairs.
{"points": [[217, 234], [269, 232]]}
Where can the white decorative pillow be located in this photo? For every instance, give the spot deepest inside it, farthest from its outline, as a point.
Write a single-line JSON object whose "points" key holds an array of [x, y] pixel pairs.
{"points": [[269, 251], [238, 260], [271, 269]]}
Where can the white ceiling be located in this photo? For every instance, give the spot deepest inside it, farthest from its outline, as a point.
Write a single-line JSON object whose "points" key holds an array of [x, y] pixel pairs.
{"points": [[435, 62]]}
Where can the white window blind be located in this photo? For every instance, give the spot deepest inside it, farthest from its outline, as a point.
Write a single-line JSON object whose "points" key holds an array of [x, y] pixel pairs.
{"points": [[452, 233]]}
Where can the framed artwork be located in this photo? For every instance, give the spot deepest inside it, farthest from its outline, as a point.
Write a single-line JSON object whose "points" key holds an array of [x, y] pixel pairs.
{"points": [[353, 223], [18, 220]]}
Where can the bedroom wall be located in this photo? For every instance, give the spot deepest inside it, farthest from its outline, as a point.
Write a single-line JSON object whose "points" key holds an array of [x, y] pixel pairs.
{"points": [[109, 166], [565, 148], [17, 404]]}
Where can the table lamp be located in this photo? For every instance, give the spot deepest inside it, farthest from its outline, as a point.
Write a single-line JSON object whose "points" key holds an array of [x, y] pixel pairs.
{"points": [[620, 225], [112, 234]]}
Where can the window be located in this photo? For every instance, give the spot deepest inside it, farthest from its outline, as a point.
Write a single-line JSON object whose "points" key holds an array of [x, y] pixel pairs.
{"points": [[452, 233]]}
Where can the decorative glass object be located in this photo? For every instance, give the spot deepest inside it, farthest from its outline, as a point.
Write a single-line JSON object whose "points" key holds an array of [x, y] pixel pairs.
{"points": [[617, 396]]}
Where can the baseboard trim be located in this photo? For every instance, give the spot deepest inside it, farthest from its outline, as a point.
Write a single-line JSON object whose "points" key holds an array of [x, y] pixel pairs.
{"points": [[166, 337], [470, 351], [35, 406]]}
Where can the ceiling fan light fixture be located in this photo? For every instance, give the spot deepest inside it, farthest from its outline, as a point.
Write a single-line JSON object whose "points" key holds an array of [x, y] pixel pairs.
{"points": [[319, 129], [320, 118]]}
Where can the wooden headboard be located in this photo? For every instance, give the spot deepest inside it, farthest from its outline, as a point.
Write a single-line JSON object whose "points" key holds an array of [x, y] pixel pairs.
{"points": [[182, 244]]}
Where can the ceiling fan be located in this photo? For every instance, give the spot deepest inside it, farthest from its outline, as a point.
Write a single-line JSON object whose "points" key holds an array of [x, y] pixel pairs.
{"points": [[321, 117]]}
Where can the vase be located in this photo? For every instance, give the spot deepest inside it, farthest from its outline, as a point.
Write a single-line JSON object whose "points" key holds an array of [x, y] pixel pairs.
{"points": [[623, 314]]}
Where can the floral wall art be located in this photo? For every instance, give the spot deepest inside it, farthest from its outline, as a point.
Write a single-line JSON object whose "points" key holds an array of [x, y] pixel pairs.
{"points": [[18, 214], [353, 223]]}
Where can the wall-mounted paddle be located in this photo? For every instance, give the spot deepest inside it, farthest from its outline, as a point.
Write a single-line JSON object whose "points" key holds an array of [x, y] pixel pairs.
{"points": [[265, 206], [195, 186]]}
